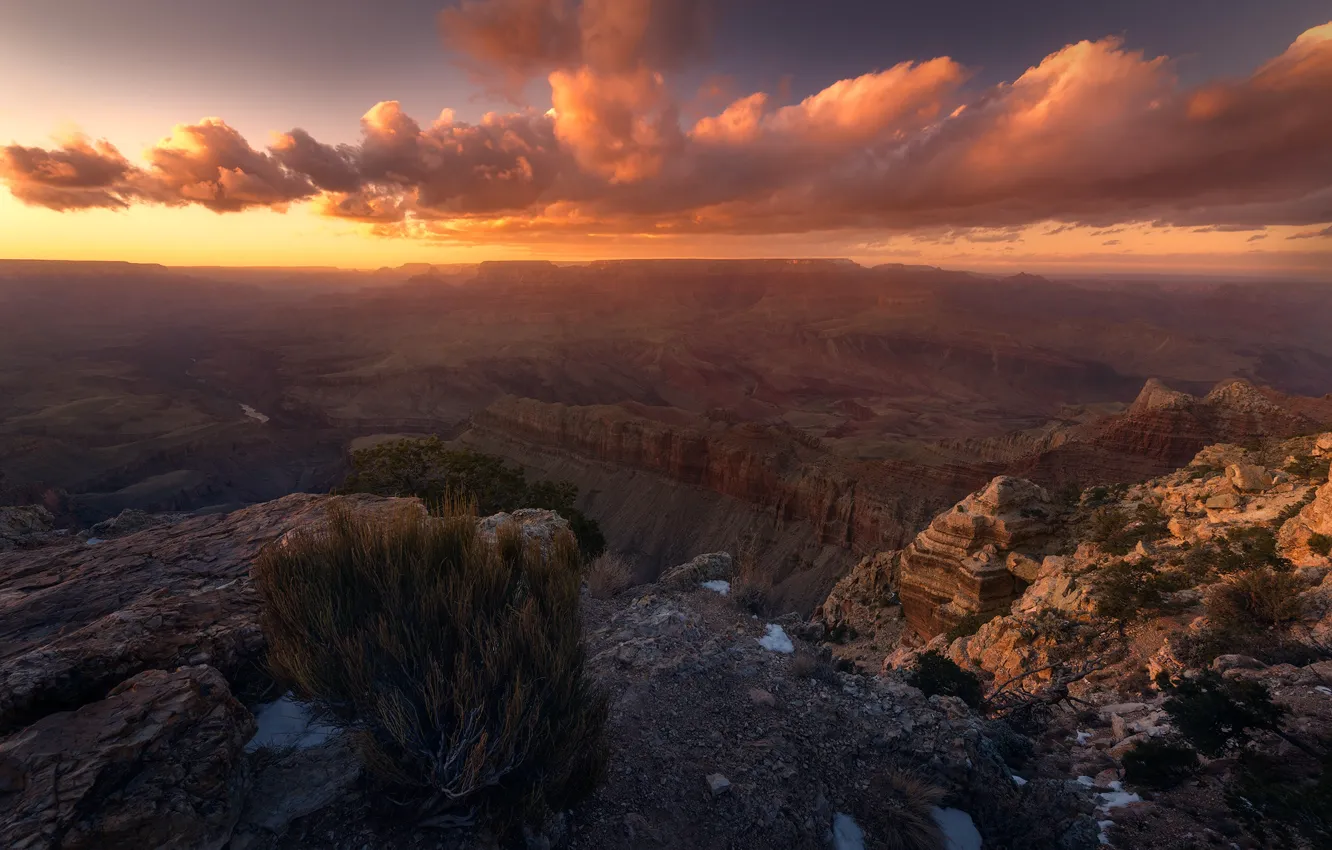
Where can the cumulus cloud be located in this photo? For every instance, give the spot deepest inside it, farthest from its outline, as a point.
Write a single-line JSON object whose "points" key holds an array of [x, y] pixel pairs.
{"points": [[78, 174], [511, 41], [1094, 134]]}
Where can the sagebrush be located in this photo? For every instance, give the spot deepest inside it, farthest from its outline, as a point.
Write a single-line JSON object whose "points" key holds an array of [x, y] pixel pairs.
{"points": [[456, 661]]}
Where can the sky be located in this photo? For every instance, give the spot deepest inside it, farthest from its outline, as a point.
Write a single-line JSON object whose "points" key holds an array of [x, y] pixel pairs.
{"points": [[1188, 136]]}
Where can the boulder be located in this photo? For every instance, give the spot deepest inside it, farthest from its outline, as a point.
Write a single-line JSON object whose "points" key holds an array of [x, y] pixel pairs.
{"points": [[1323, 445], [1249, 477], [1222, 502], [714, 566], [533, 523], [159, 763]]}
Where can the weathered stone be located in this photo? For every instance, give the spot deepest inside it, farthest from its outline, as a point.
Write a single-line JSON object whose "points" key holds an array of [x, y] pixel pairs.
{"points": [[718, 784], [75, 620], [158, 763], [1222, 663], [957, 566], [533, 523], [714, 566], [18, 524], [1249, 477], [1222, 502]]}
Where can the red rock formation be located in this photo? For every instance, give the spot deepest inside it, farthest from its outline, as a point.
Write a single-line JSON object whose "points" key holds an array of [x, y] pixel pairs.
{"points": [[960, 564]]}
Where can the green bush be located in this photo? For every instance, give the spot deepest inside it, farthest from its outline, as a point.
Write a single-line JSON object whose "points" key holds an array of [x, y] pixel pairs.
{"points": [[435, 473], [455, 661], [937, 674], [1309, 466], [1124, 591], [1118, 532], [1321, 544], [1253, 600], [1219, 715], [1278, 803], [1160, 764]]}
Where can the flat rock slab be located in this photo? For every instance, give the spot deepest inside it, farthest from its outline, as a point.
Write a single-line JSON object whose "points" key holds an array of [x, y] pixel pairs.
{"points": [[78, 619]]}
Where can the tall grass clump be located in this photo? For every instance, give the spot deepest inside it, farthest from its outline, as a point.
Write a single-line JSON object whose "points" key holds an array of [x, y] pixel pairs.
{"points": [[454, 660]]}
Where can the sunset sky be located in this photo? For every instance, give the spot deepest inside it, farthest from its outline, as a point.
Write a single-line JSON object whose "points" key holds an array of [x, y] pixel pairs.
{"points": [[1171, 135]]}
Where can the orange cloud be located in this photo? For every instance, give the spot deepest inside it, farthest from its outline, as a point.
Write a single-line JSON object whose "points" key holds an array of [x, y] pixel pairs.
{"points": [[1094, 134], [621, 126], [78, 175]]}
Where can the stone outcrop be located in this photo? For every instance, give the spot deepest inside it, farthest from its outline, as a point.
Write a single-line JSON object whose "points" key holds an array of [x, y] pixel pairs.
{"points": [[158, 763], [78, 618], [965, 561], [713, 566], [1315, 518], [18, 524]]}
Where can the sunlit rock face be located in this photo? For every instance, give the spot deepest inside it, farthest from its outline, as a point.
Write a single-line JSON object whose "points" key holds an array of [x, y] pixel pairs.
{"points": [[966, 561]]}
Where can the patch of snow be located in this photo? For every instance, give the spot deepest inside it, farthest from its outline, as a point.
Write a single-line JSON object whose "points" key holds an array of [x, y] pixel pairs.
{"points": [[847, 834], [1104, 826], [776, 640], [1323, 689], [253, 414], [1083, 738], [1086, 780], [92, 541], [958, 829], [719, 586], [288, 723], [1018, 780], [1117, 799]]}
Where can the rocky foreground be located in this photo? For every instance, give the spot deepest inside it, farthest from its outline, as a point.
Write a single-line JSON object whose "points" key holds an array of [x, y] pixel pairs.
{"points": [[136, 713], [136, 710]]}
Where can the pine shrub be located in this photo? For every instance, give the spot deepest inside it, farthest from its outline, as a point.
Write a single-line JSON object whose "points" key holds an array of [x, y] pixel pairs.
{"points": [[938, 674], [1159, 763], [455, 661]]}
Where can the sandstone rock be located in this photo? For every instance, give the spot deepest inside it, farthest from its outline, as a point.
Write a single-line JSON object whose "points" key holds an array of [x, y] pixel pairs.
{"points": [[1224, 663], [533, 523], [158, 763], [859, 601], [75, 620], [128, 521], [1223, 502], [1323, 445], [1249, 477], [960, 560], [18, 524], [1122, 747], [714, 566], [1294, 536]]}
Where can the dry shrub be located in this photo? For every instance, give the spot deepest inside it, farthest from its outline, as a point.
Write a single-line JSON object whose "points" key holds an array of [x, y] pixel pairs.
{"points": [[609, 575], [455, 661], [1254, 599], [901, 818], [809, 664]]}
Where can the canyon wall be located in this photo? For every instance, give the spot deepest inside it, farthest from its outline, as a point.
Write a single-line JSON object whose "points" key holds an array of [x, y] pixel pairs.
{"points": [[666, 485]]}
